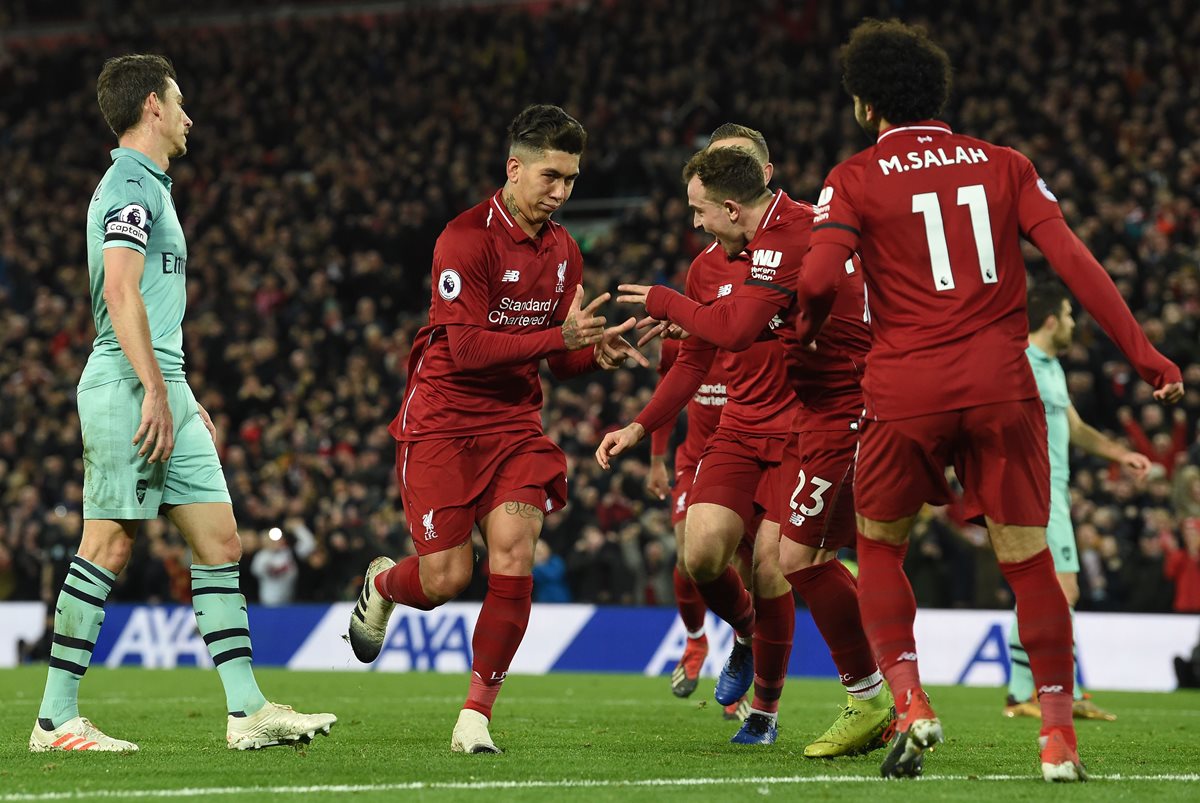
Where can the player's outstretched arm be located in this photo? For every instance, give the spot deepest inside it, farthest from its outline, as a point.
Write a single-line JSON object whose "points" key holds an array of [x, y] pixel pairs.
{"points": [[610, 354], [1096, 443], [652, 328], [1094, 288], [123, 268], [473, 347], [670, 397], [732, 323]]}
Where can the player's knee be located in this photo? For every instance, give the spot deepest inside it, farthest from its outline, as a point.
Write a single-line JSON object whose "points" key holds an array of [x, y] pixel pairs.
{"points": [[446, 584], [514, 559], [704, 565], [226, 548], [114, 554]]}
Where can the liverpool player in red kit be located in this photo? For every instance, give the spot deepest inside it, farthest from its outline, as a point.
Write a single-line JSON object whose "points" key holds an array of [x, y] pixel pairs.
{"points": [[703, 415], [937, 218], [766, 234], [471, 450]]}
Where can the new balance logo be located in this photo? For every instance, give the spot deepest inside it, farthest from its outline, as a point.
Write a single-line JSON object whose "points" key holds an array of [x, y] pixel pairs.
{"points": [[427, 522], [511, 276], [796, 520], [724, 290]]}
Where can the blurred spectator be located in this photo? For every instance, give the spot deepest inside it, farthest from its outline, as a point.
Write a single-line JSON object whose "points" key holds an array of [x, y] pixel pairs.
{"points": [[1182, 567], [549, 576]]}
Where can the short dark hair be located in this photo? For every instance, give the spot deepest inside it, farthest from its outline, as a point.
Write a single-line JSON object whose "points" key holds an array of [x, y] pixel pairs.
{"points": [[898, 69], [1045, 301], [737, 131], [545, 127], [123, 85], [731, 173]]}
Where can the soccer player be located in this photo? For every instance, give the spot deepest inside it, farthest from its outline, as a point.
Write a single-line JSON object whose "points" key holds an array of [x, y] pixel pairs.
{"points": [[937, 217], [470, 445], [148, 445], [703, 415], [1050, 328], [768, 234]]}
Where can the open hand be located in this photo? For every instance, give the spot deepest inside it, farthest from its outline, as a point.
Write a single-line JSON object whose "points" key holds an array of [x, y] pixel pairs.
{"points": [[620, 441], [613, 349], [582, 326]]}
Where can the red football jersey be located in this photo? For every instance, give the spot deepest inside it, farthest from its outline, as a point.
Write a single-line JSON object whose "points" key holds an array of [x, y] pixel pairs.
{"points": [[937, 218], [825, 380], [760, 401], [487, 273]]}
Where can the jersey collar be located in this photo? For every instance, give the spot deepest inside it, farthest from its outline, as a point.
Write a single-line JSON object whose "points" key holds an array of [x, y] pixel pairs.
{"points": [[498, 212], [145, 161], [771, 214], [1038, 354], [917, 129]]}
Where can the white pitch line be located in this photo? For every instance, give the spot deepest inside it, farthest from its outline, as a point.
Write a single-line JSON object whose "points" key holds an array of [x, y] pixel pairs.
{"points": [[20, 797]]}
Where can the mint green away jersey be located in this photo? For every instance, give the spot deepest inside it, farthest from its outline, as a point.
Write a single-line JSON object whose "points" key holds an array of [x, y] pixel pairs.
{"points": [[1052, 388], [132, 208]]}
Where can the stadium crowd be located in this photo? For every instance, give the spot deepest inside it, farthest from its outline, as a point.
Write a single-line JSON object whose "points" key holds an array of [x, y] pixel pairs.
{"points": [[328, 153]]}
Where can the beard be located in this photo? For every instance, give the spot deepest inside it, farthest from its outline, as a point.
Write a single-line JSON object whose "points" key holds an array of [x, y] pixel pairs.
{"points": [[871, 128]]}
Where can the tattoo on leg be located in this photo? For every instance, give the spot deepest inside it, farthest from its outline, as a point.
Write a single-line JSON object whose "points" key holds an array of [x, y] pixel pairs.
{"points": [[524, 510]]}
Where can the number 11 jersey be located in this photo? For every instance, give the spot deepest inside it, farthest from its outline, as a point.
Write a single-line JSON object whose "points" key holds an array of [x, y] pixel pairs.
{"points": [[937, 218]]}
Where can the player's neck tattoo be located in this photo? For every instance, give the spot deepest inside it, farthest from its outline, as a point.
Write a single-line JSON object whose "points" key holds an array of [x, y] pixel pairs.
{"points": [[510, 203]]}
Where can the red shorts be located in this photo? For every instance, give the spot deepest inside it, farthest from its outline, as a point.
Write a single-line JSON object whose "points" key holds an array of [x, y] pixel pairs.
{"points": [[448, 485], [685, 475], [742, 473], [820, 489], [999, 452]]}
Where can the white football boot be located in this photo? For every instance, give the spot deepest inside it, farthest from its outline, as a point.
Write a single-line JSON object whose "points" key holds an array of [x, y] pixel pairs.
{"points": [[76, 734], [368, 620], [471, 734], [275, 724]]}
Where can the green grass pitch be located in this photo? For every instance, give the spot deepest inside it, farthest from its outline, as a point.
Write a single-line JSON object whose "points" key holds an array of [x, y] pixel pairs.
{"points": [[566, 737]]}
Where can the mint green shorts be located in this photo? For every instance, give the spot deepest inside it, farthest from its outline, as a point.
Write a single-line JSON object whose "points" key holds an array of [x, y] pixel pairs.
{"points": [[118, 484], [1060, 534]]}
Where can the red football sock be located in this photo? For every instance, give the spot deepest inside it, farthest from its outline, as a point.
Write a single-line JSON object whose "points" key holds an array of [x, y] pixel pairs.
{"points": [[498, 633], [691, 604], [1044, 624], [888, 608], [728, 598], [402, 584], [829, 591], [774, 624]]}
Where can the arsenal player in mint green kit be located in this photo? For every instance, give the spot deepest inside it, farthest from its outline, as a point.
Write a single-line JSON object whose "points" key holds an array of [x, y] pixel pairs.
{"points": [[148, 445]]}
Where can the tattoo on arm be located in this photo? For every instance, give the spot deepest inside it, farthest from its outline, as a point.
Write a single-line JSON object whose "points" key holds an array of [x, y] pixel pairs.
{"points": [[524, 510], [570, 330]]}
